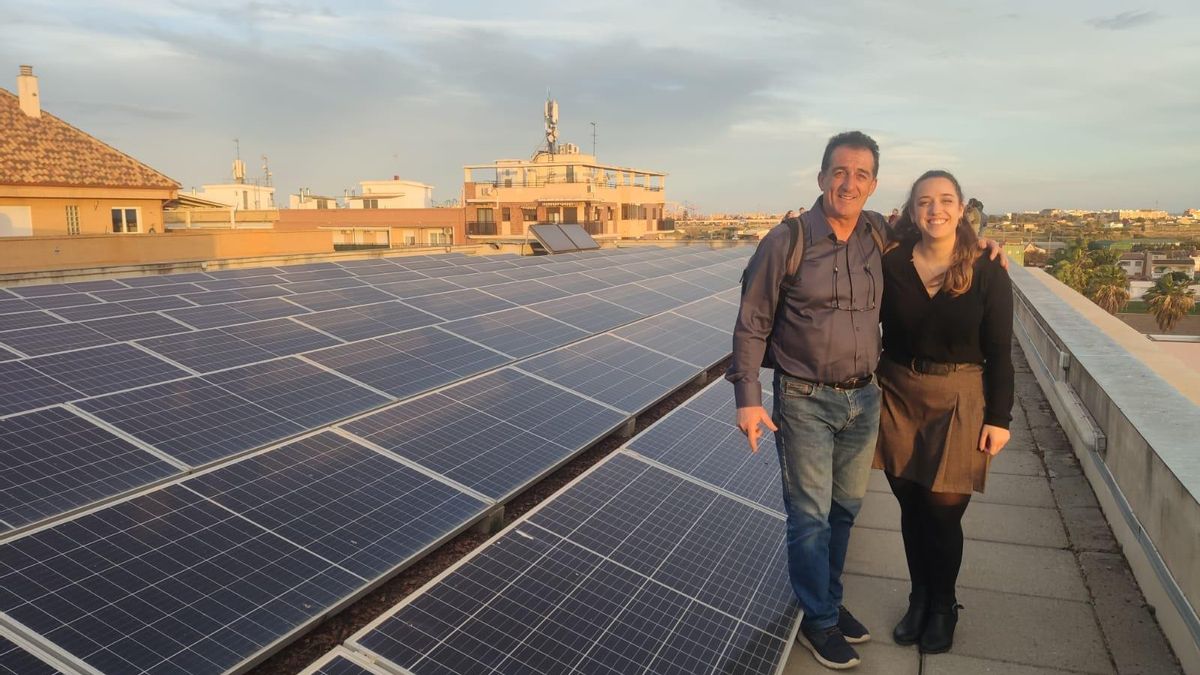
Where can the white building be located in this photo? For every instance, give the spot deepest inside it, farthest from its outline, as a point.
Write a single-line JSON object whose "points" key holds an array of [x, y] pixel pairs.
{"points": [[392, 194], [240, 194], [305, 199]]}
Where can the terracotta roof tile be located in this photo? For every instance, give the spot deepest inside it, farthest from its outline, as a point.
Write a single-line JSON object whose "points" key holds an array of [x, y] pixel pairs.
{"points": [[48, 151]]}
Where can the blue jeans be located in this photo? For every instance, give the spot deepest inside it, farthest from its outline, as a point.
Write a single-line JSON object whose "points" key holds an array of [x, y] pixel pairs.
{"points": [[826, 441]]}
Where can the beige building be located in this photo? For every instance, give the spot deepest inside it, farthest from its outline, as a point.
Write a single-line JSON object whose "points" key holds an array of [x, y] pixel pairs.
{"points": [[305, 199], [392, 194], [56, 180], [503, 198]]}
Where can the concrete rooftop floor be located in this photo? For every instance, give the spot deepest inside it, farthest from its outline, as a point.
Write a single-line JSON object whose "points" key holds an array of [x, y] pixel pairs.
{"points": [[1044, 584]]}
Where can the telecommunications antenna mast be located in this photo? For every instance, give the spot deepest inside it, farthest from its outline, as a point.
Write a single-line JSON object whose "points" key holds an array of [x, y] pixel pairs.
{"points": [[551, 115]]}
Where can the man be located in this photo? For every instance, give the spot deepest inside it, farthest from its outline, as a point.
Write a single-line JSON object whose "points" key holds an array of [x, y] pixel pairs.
{"points": [[824, 345]]}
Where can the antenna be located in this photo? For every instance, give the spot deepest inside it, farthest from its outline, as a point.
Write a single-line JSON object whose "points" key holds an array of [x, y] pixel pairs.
{"points": [[593, 139], [551, 116], [239, 167], [266, 171]]}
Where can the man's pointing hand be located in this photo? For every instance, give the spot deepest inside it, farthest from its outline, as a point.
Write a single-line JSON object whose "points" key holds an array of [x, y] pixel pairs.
{"points": [[748, 420]]}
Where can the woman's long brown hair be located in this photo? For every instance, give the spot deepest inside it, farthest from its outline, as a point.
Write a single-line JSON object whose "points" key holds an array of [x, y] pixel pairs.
{"points": [[966, 243]]}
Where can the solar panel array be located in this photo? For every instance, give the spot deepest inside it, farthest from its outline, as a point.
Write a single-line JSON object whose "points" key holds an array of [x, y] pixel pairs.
{"points": [[198, 467], [667, 557]]}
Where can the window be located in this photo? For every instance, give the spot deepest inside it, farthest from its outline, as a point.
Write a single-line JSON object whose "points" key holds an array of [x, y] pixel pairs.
{"points": [[125, 219], [506, 214], [529, 215], [410, 240], [438, 238], [72, 219], [484, 215], [370, 203]]}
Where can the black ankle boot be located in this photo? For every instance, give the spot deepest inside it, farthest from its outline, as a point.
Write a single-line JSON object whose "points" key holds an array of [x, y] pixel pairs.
{"points": [[908, 631], [939, 628]]}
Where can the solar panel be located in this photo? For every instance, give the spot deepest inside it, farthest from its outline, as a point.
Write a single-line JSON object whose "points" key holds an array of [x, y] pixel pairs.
{"points": [[237, 295], [207, 350], [410, 362], [42, 290], [156, 303], [243, 272], [165, 582], [574, 282], [424, 264], [6, 355], [526, 292], [165, 279], [686, 340], [233, 283], [216, 316], [412, 289], [611, 370], [578, 236], [122, 294], [334, 272], [517, 332], [711, 311], [635, 580], [23, 388], [390, 274], [473, 442], [309, 267], [490, 264], [16, 661], [677, 288], [14, 305], [176, 289], [342, 297], [192, 420], [55, 301], [50, 339], [103, 370], [552, 238], [351, 505], [136, 326], [715, 451], [459, 304], [52, 461], [347, 281], [480, 279], [587, 312], [367, 321], [449, 271], [19, 320], [612, 276], [640, 299], [297, 391]]}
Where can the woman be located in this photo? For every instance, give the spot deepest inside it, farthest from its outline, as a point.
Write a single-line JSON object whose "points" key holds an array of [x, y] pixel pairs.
{"points": [[947, 392]]}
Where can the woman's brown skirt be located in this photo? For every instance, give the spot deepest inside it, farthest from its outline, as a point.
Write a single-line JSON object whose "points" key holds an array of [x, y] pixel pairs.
{"points": [[929, 427]]}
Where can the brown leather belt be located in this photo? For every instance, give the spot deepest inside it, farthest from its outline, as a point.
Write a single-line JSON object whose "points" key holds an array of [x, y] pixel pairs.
{"points": [[852, 383], [927, 367]]}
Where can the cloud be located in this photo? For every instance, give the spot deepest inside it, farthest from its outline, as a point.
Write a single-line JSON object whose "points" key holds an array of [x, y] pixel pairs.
{"points": [[1125, 20], [122, 110]]}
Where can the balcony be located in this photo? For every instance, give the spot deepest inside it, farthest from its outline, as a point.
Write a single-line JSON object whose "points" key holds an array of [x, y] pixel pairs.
{"points": [[481, 228]]}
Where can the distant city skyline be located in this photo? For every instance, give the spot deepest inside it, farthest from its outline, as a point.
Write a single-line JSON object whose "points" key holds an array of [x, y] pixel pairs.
{"points": [[1088, 105]]}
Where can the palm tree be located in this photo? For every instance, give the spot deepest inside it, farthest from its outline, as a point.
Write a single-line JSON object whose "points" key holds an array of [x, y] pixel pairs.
{"points": [[1169, 299], [1108, 287]]}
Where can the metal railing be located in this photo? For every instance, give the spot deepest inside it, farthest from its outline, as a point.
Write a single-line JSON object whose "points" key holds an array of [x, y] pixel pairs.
{"points": [[481, 228], [542, 182]]}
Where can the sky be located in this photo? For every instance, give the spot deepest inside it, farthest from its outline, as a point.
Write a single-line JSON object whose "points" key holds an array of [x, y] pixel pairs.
{"points": [[1085, 104]]}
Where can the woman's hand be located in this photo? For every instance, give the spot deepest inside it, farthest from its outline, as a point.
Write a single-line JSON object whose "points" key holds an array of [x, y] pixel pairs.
{"points": [[993, 439]]}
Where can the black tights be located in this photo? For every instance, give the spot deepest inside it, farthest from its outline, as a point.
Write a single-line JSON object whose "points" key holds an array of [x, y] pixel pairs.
{"points": [[931, 523]]}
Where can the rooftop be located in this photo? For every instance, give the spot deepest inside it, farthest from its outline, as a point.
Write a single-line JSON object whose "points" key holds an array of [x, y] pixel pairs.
{"points": [[46, 151]]}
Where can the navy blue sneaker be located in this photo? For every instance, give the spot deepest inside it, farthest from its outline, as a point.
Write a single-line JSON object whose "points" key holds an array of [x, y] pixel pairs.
{"points": [[829, 647], [852, 629]]}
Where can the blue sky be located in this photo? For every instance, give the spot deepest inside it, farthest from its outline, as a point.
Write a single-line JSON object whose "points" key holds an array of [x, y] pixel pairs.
{"points": [[1070, 104]]}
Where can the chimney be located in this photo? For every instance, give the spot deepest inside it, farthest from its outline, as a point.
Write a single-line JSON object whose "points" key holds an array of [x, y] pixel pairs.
{"points": [[27, 91], [395, 177]]}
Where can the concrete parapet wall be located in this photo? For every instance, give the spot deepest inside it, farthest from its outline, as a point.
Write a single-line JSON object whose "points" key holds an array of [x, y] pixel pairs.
{"points": [[1132, 413], [82, 251]]}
